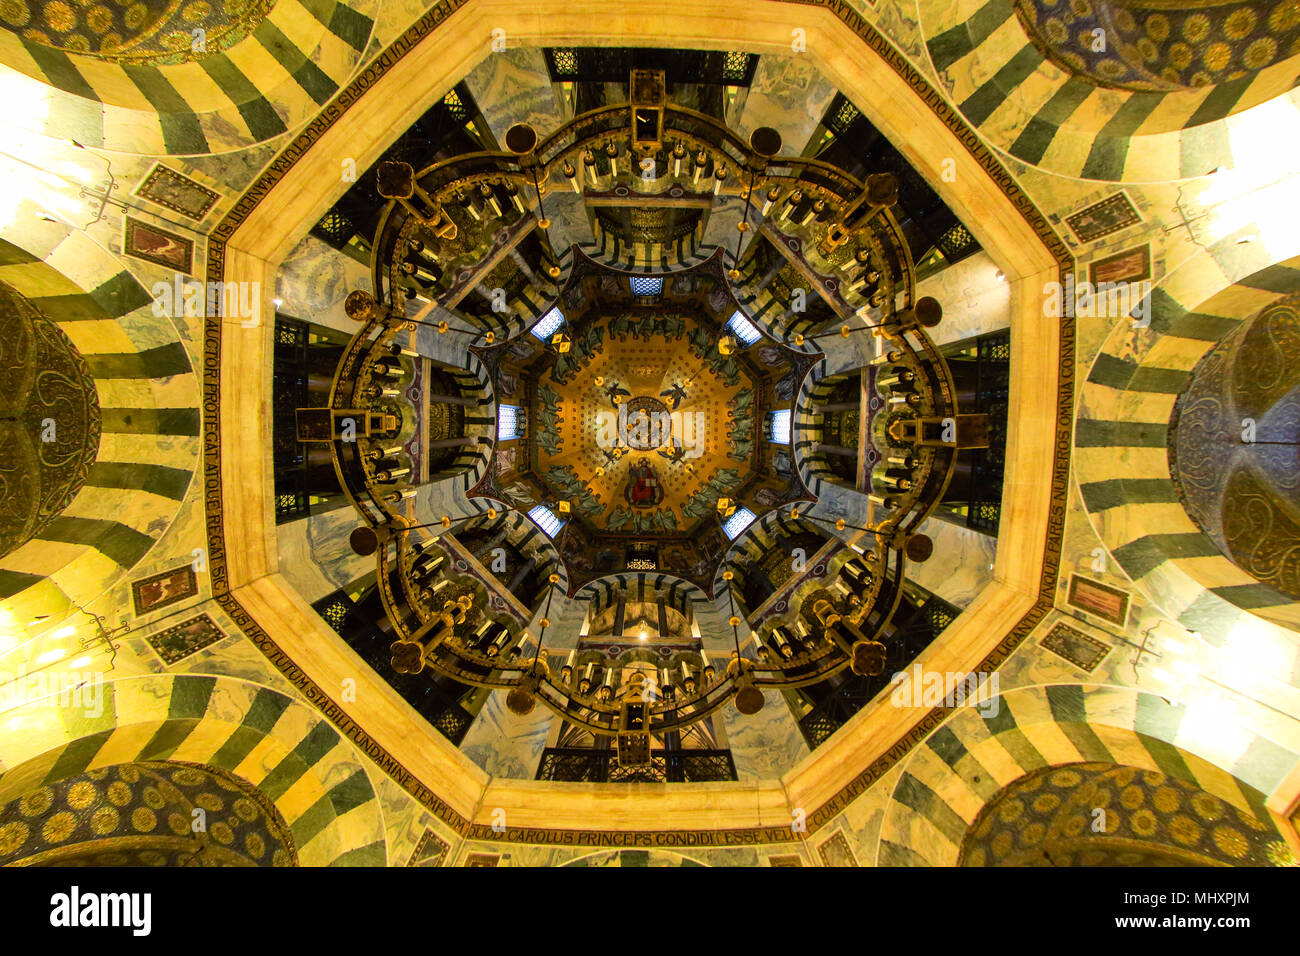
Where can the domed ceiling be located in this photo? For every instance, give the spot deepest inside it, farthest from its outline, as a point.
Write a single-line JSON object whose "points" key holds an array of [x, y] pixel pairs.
{"points": [[1233, 444], [637, 424], [633, 400], [49, 420], [143, 31], [602, 425]]}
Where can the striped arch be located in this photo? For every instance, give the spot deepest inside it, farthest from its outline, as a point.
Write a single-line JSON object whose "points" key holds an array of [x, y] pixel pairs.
{"points": [[527, 311], [604, 592], [776, 318], [269, 83], [473, 380], [755, 289], [528, 307], [471, 461], [148, 396], [769, 314], [965, 763], [647, 258], [761, 538], [806, 424], [1122, 433], [805, 429], [1048, 118], [530, 540], [522, 309], [315, 779]]}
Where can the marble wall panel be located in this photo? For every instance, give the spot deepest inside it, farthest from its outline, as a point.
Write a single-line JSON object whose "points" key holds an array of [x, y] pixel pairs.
{"points": [[962, 563], [505, 744], [315, 279], [513, 86], [974, 299], [790, 95], [767, 744]]}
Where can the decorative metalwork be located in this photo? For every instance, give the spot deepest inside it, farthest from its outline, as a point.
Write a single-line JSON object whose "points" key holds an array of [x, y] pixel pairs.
{"points": [[447, 233], [957, 243], [591, 765], [987, 464], [842, 114], [925, 623]]}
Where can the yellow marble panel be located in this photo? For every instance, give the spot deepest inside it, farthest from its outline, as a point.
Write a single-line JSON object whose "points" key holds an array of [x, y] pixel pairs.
{"points": [[264, 757], [1068, 150], [126, 743], [1172, 351], [1130, 522], [1047, 736], [256, 61], [950, 787], [297, 23], [173, 451], [1009, 118], [1214, 571], [922, 837], [179, 391], [1124, 747], [42, 557], [1136, 406], [36, 279], [94, 336], [1100, 464], [301, 796], [994, 757], [128, 506]]}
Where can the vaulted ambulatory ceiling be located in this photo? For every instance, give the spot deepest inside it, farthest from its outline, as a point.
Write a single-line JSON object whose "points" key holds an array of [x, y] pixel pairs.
{"points": [[577, 405]]}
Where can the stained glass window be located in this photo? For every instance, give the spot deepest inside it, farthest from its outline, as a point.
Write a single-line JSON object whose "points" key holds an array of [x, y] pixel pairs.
{"points": [[646, 285], [548, 324], [744, 329], [546, 519], [507, 422], [738, 522], [778, 426]]}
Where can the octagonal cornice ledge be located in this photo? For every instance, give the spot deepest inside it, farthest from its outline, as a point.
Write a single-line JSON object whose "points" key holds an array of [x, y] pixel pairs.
{"points": [[303, 182]]}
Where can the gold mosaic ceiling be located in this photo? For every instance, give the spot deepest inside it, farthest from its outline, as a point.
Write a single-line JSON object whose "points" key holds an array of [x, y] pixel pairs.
{"points": [[629, 387]]}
